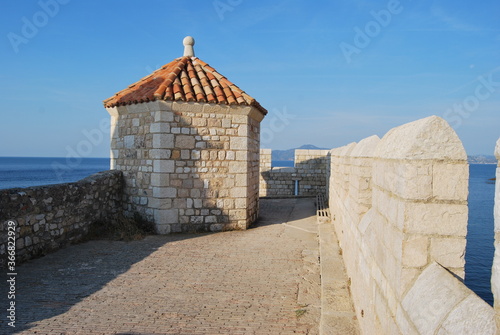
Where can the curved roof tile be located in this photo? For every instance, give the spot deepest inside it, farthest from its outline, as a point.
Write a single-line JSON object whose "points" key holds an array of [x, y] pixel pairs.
{"points": [[185, 79]]}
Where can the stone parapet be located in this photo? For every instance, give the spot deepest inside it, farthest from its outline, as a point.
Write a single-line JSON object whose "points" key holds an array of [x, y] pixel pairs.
{"points": [[50, 217], [400, 208], [307, 178]]}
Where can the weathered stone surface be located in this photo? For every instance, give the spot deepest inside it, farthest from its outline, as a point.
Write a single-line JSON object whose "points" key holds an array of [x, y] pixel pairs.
{"points": [[160, 127], [435, 293], [164, 192], [163, 141], [160, 179], [414, 193], [129, 141], [415, 251], [471, 316], [238, 143], [179, 151], [238, 167], [436, 218], [449, 252], [184, 142], [450, 181], [429, 138], [366, 147], [163, 166], [166, 216]]}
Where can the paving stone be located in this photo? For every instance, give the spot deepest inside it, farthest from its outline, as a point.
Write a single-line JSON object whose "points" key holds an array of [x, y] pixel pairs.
{"points": [[237, 282]]}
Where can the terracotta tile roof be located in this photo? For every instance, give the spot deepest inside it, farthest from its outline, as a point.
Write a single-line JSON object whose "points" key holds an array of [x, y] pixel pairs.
{"points": [[184, 79]]}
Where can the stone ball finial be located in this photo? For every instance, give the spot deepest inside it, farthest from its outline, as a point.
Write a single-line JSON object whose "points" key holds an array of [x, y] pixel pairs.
{"points": [[188, 42]]}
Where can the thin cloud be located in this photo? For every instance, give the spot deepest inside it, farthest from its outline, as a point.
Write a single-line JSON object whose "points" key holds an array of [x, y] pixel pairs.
{"points": [[453, 22]]}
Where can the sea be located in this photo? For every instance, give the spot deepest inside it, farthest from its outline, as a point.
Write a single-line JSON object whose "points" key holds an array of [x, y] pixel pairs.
{"points": [[480, 235], [26, 172]]}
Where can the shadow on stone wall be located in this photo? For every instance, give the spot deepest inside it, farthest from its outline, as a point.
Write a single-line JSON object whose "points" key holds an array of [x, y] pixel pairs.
{"points": [[278, 211], [183, 177], [51, 217], [307, 178], [187, 171]]}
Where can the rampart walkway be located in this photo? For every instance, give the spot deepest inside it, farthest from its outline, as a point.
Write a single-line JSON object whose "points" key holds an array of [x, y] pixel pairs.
{"points": [[265, 280]]}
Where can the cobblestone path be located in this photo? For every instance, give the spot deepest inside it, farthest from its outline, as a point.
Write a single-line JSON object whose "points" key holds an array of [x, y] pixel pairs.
{"points": [[261, 281]]}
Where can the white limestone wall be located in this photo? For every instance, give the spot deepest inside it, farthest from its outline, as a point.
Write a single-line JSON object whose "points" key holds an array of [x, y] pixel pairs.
{"points": [[350, 198], [495, 279], [400, 211]]}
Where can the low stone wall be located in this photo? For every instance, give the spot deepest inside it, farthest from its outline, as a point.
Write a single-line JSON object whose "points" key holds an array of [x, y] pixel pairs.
{"points": [[278, 182], [53, 216], [400, 211], [311, 168], [495, 279]]}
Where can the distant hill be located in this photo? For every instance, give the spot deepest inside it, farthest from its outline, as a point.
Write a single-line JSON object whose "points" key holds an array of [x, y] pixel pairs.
{"points": [[289, 155], [482, 159]]}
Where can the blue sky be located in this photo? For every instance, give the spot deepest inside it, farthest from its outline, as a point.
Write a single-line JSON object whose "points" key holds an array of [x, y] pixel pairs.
{"points": [[329, 72]]}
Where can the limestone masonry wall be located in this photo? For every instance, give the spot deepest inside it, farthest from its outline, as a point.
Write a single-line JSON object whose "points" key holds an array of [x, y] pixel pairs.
{"points": [[399, 206], [50, 217], [188, 166], [311, 168], [495, 279]]}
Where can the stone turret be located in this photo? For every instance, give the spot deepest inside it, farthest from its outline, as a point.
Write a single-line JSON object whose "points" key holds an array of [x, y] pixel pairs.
{"points": [[187, 141]]}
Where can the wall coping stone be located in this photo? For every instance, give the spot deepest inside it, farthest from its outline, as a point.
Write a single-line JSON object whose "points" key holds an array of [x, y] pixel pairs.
{"points": [[428, 138], [345, 150], [366, 147], [439, 302]]}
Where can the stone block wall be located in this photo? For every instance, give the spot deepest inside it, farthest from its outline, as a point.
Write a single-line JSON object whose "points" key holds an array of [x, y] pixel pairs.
{"points": [[278, 182], [311, 169], [53, 216], [400, 211], [495, 279], [188, 166], [265, 159], [311, 166]]}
